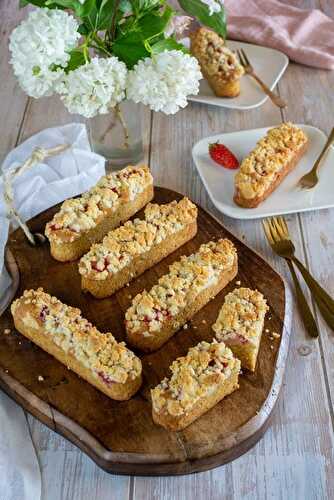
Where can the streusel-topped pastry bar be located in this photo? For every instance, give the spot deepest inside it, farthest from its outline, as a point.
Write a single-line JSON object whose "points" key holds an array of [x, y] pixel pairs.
{"points": [[62, 332], [199, 380], [240, 324], [83, 221], [219, 64], [274, 156], [191, 283], [131, 249]]}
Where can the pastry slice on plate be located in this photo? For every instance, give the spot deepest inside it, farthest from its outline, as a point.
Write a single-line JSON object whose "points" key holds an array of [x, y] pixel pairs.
{"points": [[240, 324], [219, 65], [272, 159]]}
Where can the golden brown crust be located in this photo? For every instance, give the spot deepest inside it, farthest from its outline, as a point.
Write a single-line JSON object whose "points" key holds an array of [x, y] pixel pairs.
{"points": [[133, 248], [219, 64], [283, 169], [81, 347], [198, 381], [192, 282], [99, 211]]}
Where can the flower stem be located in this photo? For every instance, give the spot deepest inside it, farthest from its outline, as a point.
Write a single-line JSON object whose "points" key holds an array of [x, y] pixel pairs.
{"points": [[120, 116]]}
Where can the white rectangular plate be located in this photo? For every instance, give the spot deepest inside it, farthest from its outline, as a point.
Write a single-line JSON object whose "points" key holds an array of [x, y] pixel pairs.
{"points": [[287, 198], [269, 64]]}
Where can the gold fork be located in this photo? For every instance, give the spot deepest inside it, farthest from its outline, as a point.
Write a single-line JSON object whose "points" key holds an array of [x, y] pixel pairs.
{"points": [[284, 247], [249, 70], [306, 314], [310, 180]]}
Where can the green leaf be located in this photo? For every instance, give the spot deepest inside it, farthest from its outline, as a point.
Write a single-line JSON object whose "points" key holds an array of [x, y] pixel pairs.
{"points": [[168, 44], [80, 9], [130, 49], [217, 21], [77, 59], [154, 24], [38, 3]]}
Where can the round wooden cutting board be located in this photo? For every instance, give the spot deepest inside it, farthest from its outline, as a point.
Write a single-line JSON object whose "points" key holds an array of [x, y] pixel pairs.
{"points": [[121, 436]]}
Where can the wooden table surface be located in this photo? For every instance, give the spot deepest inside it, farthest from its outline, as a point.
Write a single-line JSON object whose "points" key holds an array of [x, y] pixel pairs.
{"points": [[295, 458]]}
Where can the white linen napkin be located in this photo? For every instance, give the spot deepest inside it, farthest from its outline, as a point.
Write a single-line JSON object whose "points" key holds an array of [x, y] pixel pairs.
{"points": [[71, 172]]}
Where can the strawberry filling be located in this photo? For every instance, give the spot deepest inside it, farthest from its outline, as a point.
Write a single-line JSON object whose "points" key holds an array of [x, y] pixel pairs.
{"points": [[104, 377], [43, 313]]}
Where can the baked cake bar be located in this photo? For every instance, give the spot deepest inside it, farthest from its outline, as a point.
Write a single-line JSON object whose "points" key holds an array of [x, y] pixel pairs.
{"points": [[133, 248], [199, 380], [191, 283], [85, 220], [62, 332], [240, 324], [219, 65], [274, 156]]}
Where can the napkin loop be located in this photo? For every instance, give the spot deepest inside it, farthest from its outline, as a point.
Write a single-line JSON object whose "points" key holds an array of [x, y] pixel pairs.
{"points": [[37, 156]]}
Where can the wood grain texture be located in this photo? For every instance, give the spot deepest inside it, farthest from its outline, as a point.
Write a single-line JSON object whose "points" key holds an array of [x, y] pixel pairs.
{"points": [[295, 457], [121, 436]]}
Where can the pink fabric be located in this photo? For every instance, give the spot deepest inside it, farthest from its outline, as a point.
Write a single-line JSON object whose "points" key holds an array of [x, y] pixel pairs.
{"points": [[306, 36]]}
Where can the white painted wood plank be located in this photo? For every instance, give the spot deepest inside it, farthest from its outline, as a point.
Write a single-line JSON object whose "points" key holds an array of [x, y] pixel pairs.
{"points": [[12, 100]]}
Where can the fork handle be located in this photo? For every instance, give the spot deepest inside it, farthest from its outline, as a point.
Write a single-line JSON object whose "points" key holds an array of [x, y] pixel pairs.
{"points": [[321, 297], [306, 314], [324, 151], [276, 99]]}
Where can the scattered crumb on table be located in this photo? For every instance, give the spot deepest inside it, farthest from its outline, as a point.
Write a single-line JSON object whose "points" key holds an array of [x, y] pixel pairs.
{"points": [[40, 378]]}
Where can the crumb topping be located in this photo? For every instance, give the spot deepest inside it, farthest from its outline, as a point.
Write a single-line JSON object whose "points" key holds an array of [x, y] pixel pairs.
{"points": [[122, 245], [194, 376], [241, 317], [185, 280], [79, 215], [109, 360], [214, 57], [261, 167]]}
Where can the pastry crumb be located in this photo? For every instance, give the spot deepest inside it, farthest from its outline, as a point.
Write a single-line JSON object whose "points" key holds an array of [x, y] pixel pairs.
{"points": [[276, 335], [271, 347], [238, 282], [6, 331], [267, 330], [40, 378], [185, 326], [204, 321]]}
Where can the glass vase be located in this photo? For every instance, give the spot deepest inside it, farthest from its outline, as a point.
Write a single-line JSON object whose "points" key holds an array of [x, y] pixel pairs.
{"points": [[118, 135]]}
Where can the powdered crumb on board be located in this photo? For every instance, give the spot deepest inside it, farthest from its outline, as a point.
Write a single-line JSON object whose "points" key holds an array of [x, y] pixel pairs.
{"points": [[267, 330], [6, 331], [40, 378], [276, 335], [238, 282], [204, 321], [271, 347], [185, 326], [129, 296]]}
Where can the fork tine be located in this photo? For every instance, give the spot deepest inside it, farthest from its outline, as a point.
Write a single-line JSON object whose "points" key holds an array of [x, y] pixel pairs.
{"points": [[285, 227], [273, 230], [267, 232], [279, 228], [245, 57], [240, 58]]}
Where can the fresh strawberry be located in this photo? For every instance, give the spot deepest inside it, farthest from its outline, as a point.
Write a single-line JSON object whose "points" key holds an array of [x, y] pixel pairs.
{"points": [[223, 156]]}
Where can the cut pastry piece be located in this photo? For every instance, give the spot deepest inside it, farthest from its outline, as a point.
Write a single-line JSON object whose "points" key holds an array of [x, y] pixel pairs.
{"points": [[219, 64], [240, 324], [62, 332], [199, 380], [133, 248], [274, 156], [85, 220], [191, 283]]}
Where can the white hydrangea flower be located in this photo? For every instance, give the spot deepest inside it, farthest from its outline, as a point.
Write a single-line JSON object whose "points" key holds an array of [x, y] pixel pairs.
{"points": [[40, 44], [214, 5], [94, 88], [164, 81]]}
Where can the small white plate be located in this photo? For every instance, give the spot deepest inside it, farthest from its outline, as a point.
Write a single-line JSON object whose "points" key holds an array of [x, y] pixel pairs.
{"points": [[287, 198], [269, 64]]}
